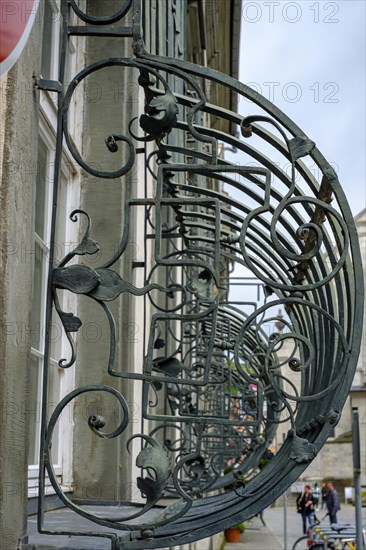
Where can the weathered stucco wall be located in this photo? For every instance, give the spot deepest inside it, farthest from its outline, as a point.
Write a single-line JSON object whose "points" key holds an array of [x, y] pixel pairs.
{"points": [[102, 468], [18, 142]]}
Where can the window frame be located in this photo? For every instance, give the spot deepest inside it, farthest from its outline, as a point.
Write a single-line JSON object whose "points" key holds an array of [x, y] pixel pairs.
{"points": [[69, 193]]}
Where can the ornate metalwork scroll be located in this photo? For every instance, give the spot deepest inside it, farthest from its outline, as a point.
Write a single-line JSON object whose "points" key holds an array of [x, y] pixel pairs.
{"points": [[216, 382]]}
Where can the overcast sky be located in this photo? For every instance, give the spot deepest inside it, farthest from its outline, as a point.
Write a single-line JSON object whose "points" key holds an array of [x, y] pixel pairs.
{"points": [[309, 59]]}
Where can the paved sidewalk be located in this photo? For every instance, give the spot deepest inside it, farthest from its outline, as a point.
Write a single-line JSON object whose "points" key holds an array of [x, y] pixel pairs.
{"points": [[271, 536], [255, 537]]}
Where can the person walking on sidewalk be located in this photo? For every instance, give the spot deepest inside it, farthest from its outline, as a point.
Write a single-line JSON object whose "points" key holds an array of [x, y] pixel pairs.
{"points": [[305, 507], [333, 505], [324, 493]]}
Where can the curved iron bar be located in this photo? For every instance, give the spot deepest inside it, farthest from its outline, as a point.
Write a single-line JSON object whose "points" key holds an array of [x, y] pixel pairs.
{"points": [[102, 20], [303, 251]]}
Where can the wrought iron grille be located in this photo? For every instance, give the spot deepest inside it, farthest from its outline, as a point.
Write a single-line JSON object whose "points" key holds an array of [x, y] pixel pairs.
{"points": [[215, 386]]}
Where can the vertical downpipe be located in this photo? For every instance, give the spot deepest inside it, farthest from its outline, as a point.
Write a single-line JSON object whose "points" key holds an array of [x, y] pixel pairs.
{"points": [[357, 476]]}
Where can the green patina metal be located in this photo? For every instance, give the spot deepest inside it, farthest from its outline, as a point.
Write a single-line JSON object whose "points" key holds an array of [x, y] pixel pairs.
{"points": [[224, 386]]}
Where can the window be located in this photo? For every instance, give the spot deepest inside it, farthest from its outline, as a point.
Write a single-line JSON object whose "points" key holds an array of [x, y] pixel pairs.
{"points": [[60, 380], [50, 40]]}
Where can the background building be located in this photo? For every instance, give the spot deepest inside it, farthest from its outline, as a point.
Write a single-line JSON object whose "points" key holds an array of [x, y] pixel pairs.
{"points": [[334, 462]]}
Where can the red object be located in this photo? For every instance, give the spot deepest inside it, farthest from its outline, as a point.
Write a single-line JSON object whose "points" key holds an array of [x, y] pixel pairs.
{"points": [[16, 20], [232, 534]]}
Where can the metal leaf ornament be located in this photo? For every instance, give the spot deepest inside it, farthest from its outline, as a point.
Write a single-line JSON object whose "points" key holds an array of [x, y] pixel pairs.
{"points": [[153, 457], [80, 279], [70, 322], [301, 450], [87, 246], [161, 115]]}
